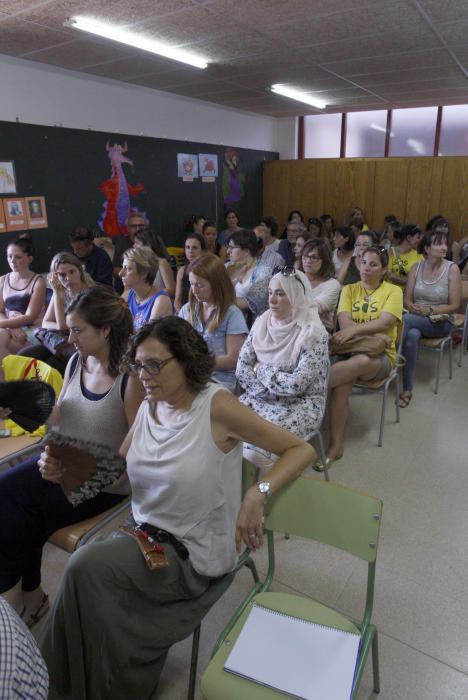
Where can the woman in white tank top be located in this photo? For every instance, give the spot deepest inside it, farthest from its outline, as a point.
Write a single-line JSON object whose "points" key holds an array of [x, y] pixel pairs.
{"points": [[184, 456], [433, 293]]}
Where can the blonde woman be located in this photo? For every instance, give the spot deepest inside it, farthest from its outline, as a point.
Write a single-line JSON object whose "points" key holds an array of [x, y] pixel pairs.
{"points": [[139, 269], [67, 278], [211, 310]]}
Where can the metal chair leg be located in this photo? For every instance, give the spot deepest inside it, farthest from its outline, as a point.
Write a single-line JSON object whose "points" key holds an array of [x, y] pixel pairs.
{"points": [[194, 662], [439, 363], [375, 663], [450, 344], [323, 455], [382, 416]]}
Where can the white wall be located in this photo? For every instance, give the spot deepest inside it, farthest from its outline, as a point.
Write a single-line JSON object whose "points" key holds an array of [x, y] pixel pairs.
{"points": [[34, 93]]}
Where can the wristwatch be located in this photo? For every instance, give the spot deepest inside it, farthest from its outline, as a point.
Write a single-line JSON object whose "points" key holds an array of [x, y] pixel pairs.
{"points": [[264, 487]]}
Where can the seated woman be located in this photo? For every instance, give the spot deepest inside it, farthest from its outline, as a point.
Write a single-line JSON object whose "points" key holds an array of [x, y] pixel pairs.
{"points": [[315, 227], [115, 616], [328, 226], [67, 278], [22, 299], [301, 240], [404, 253], [212, 312], [432, 294], [369, 307], [210, 234], [165, 277], [349, 271], [343, 240], [250, 270], [232, 225], [96, 402], [283, 364], [139, 270], [317, 264], [194, 246]]}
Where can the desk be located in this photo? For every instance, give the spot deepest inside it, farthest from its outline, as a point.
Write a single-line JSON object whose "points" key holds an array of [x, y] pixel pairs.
{"points": [[10, 445]]}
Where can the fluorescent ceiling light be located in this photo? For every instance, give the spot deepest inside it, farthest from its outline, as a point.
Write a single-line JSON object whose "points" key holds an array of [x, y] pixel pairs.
{"points": [[298, 95], [124, 36]]}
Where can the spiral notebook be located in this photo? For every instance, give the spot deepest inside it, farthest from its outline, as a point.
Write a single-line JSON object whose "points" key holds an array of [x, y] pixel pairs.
{"points": [[297, 657]]}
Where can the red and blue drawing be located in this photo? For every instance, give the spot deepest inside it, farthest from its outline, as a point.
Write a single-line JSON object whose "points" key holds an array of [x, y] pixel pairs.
{"points": [[117, 192]]}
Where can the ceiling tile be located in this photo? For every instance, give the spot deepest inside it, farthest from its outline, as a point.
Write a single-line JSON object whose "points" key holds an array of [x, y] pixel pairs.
{"points": [[78, 54], [454, 33], [121, 12], [18, 37], [132, 66], [440, 11], [393, 60], [413, 75]]}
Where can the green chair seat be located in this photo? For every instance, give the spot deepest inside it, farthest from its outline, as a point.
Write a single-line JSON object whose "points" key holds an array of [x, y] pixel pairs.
{"points": [[236, 688]]}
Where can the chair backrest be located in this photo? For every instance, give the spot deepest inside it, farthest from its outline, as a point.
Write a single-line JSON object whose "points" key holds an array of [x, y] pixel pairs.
{"points": [[329, 513]]}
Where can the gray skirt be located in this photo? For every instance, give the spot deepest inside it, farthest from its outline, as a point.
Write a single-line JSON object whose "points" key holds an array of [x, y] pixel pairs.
{"points": [[114, 620]]}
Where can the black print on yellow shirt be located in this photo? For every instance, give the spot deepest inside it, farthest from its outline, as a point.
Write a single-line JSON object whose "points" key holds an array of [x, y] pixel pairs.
{"points": [[366, 307]]}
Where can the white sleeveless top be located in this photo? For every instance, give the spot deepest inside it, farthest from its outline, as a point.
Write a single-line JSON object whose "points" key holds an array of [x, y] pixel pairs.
{"points": [[183, 483]]}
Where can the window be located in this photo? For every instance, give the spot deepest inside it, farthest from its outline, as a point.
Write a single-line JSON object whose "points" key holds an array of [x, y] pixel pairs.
{"points": [[365, 134], [454, 131], [413, 132], [322, 135]]}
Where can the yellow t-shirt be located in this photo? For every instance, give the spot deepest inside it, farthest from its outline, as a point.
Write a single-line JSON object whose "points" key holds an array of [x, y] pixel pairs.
{"points": [[388, 297], [402, 264]]}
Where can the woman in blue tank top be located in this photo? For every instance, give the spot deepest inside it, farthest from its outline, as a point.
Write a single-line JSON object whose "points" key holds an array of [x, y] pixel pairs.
{"points": [[140, 267]]}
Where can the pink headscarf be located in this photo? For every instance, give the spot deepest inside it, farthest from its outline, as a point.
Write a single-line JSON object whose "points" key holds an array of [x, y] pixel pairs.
{"points": [[280, 342]]}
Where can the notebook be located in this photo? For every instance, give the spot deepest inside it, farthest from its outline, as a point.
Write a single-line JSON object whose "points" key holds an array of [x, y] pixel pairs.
{"points": [[297, 657]]}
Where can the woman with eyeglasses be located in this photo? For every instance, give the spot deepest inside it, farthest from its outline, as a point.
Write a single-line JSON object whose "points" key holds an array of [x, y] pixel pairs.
{"points": [[283, 364], [349, 272], [432, 295], [97, 403], [404, 253], [317, 264], [371, 306], [184, 461], [194, 246], [211, 310]]}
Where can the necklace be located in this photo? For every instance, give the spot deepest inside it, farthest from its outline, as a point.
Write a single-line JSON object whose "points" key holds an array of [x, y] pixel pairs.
{"points": [[368, 294]]}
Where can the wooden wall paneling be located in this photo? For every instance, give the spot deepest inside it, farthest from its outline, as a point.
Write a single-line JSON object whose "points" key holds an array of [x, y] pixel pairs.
{"points": [[418, 203], [391, 178], [413, 189], [435, 193], [454, 201]]}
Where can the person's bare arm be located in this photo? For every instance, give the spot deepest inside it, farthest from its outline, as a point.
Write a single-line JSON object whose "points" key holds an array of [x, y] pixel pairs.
{"points": [[343, 270], [33, 312], [167, 276], [233, 346], [231, 423], [161, 307], [134, 395], [179, 289]]}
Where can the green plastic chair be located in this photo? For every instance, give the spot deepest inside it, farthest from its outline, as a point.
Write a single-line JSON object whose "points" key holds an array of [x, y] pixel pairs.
{"points": [[328, 513], [249, 477]]}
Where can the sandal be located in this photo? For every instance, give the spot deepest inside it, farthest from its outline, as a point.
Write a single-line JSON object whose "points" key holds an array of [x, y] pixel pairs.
{"points": [[33, 618], [318, 466], [405, 398]]}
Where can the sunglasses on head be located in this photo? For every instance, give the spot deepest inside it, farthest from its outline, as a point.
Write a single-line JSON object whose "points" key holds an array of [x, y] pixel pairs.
{"points": [[289, 271]]}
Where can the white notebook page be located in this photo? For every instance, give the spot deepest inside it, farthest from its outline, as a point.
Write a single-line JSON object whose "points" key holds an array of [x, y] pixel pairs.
{"points": [[298, 657]]}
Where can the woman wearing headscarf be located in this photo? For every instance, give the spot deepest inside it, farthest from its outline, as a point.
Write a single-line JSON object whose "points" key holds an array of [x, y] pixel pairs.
{"points": [[283, 365]]}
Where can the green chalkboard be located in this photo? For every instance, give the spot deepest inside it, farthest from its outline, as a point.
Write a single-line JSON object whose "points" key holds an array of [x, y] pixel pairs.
{"points": [[69, 166]]}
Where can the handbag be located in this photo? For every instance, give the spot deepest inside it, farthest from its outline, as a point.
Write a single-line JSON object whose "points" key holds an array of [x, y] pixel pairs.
{"points": [[56, 342], [371, 345]]}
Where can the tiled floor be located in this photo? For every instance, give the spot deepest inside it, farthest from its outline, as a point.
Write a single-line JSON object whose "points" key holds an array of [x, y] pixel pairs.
{"points": [[421, 603]]}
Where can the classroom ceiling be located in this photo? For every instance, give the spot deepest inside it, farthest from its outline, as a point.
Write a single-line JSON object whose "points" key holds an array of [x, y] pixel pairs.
{"points": [[355, 54]]}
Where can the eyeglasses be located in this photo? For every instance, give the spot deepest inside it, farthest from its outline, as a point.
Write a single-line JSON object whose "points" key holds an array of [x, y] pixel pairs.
{"points": [[233, 247], [150, 366], [289, 271], [312, 258]]}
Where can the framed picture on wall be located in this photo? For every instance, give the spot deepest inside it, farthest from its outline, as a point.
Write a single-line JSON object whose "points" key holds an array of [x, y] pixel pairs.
{"points": [[2, 219], [7, 177], [36, 212], [15, 214]]}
